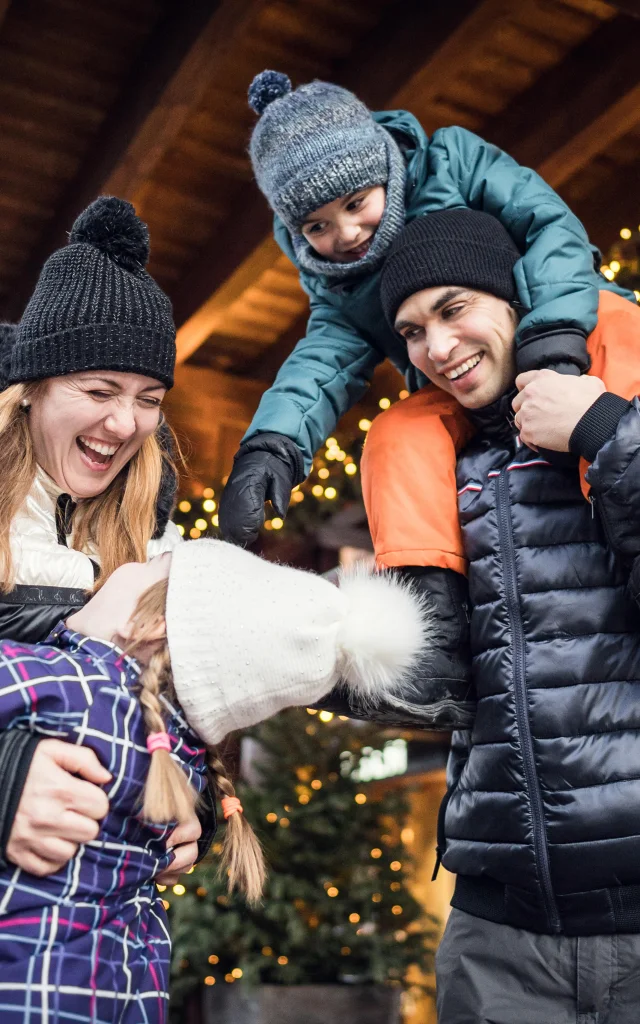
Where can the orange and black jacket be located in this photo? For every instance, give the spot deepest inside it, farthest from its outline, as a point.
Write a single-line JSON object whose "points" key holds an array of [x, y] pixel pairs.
{"points": [[540, 824]]}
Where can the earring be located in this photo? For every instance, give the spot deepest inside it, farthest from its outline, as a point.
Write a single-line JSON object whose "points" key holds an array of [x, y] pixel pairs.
{"points": [[25, 404]]}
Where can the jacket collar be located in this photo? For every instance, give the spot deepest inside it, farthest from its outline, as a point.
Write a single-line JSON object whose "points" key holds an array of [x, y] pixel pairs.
{"points": [[496, 420], [68, 639]]}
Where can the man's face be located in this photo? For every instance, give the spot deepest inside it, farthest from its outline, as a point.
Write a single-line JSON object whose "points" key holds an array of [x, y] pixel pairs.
{"points": [[462, 340]]}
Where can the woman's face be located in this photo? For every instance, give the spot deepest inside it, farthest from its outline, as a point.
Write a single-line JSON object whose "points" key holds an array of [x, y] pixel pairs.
{"points": [[86, 426]]}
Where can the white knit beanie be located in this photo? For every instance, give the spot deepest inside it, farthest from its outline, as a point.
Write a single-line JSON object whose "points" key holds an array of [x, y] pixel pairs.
{"points": [[249, 637]]}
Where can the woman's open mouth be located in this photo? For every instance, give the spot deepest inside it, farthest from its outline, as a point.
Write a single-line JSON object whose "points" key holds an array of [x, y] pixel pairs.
{"points": [[97, 455]]}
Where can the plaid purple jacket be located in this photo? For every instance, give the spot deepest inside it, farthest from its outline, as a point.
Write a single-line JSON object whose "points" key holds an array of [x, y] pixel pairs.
{"points": [[91, 942]]}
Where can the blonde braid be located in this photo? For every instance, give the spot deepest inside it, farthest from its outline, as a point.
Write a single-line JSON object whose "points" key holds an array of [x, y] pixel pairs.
{"points": [[242, 857], [167, 793]]}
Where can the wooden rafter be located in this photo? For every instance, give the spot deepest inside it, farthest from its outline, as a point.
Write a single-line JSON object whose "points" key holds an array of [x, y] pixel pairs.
{"points": [[608, 209], [628, 6], [4, 8], [589, 104], [170, 76], [269, 362]]}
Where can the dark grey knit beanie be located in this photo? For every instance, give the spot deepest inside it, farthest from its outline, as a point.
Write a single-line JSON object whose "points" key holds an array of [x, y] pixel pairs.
{"points": [[95, 307], [313, 145], [457, 247]]}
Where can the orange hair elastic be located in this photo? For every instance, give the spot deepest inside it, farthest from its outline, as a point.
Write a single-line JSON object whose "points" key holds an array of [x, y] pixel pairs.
{"points": [[230, 804]]}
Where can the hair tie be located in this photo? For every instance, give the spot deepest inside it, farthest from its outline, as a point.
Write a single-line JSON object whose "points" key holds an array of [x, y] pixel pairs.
{"points": [[158, 741], [230, 804]]}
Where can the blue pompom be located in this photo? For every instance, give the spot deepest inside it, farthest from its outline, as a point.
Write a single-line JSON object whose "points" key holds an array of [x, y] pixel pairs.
{"points": [[267, 87]]}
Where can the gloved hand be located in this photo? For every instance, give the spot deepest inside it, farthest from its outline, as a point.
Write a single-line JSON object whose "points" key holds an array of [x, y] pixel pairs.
{"points": [[266, 468]]}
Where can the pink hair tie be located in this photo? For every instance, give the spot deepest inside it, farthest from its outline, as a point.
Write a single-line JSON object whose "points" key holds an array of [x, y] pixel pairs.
{"points": [[230, 805], [158, 741]]}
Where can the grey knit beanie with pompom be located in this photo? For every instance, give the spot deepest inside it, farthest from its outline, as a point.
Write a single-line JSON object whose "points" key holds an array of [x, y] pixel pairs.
{"points": [[313, 145], [95, 307]]}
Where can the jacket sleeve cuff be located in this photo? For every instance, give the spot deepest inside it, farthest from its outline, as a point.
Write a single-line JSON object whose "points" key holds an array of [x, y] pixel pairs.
{"points": [[17, 748], [279, 445], [540, 347], [598, 425]]}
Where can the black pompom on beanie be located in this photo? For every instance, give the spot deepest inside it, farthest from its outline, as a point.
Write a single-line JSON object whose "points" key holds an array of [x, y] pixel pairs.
{"points": [[95, 307], [460, 247]]}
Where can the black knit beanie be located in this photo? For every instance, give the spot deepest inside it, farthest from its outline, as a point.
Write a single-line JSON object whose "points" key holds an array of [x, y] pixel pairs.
{"points": [[8, 335], [95, 307], [458, 247]]}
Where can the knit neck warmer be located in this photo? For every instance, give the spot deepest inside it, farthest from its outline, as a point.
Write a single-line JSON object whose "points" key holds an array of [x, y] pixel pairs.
{"points": [[391, 223], [496, 419]]}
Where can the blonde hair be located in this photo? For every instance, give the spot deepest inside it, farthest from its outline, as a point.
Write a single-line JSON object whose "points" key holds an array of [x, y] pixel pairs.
{"points": [[167, 793], [118, 523]]}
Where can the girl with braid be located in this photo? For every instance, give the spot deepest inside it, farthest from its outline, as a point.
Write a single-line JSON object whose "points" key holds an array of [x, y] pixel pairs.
{"points": [[165, 660]]}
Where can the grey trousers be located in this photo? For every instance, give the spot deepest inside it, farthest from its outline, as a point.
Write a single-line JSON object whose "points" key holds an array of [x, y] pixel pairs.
{"points": [[492, 974]]}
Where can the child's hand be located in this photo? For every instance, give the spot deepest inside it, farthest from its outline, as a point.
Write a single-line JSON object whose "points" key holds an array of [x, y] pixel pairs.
{"points": [[184, 842]]}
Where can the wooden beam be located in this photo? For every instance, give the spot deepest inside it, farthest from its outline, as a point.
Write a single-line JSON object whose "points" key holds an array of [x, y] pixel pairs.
{"points": [[452, 53], [403, 46], [409, 37], [170, 76], [608, 208], [266, 366], [4, 10], [631, 7], [210, 412], [595, 138], [210, 315], [589, 101]]}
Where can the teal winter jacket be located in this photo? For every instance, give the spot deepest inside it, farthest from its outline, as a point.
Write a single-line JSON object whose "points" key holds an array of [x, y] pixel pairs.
{"points": [[347, 336]]}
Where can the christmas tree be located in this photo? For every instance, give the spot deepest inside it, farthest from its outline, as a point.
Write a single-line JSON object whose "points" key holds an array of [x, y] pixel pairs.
{"points": [[337, 907]]}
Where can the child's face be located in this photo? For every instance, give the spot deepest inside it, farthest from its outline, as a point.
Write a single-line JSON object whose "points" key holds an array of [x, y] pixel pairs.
{"points": [[108, 614], [342, 231]]}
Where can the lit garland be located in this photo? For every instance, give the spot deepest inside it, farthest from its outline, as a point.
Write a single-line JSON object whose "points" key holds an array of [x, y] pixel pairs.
{"points": [[624, 261], [332, 483]]}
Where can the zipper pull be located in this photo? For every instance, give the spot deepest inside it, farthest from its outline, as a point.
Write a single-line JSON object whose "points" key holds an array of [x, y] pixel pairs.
{"points": [[592, 502], [437, 864]]}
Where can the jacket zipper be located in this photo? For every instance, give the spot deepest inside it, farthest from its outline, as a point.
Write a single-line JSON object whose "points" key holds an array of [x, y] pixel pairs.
{"points": [[520, 692]]}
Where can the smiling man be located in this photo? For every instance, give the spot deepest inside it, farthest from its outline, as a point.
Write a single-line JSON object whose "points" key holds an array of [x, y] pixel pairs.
{"points": [[540, 821]]}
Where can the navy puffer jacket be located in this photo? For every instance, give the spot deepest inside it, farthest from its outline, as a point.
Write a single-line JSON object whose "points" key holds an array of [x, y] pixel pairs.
{"points": [[542, 824]]}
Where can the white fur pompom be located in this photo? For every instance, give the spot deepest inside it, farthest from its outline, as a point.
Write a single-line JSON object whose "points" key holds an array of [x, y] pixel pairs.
{"points": [[383, 635]]}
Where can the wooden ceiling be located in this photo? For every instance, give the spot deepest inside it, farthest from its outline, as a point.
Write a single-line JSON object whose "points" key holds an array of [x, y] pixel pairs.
{"points": [[146, 99]]}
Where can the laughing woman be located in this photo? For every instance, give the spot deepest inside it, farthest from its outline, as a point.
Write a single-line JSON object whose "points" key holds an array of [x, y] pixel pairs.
{"points": [[87, 485]]}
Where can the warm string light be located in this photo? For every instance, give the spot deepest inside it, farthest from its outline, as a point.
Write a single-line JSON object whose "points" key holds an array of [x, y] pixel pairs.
{"points": [[623, 259], [198, 516]]}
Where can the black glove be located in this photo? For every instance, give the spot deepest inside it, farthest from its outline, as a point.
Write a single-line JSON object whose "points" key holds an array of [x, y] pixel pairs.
{"points": [[265, 468], [443, 692], [551, 347]]}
